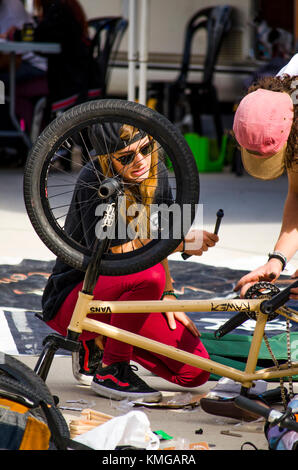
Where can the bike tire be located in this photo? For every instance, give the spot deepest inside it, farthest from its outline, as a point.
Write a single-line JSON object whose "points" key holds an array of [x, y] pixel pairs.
{"points": [[13, 368], [74, 123]]}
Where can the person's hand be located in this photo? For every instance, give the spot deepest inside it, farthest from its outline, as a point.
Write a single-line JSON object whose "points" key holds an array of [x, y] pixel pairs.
{"points": [[172, 317], [268, 272], [204, 241]]}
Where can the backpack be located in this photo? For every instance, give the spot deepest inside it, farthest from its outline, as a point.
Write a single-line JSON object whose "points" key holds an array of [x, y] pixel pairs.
{"points": [[29, 416], [281, 438]]}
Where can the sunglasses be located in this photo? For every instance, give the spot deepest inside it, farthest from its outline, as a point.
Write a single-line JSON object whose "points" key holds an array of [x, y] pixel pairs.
{"points": [[129, 157]]}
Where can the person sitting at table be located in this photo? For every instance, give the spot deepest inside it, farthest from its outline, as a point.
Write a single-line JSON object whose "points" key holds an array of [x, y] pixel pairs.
{"points": [[13, 17]]}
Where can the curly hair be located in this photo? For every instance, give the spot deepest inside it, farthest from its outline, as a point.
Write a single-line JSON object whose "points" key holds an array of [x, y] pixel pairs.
{"points": [[288, 85]]}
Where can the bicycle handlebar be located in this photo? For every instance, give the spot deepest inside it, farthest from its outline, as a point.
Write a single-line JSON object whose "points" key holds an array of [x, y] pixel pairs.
{"points": [[253, 406], [278, 300], [271, 415]]}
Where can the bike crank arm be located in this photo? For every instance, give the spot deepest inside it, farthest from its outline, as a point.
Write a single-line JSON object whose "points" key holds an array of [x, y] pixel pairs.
{"points": [[278, 300]]}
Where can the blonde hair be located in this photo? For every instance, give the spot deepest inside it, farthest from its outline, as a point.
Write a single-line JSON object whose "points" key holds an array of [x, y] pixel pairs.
{"points": [[146, 188]]}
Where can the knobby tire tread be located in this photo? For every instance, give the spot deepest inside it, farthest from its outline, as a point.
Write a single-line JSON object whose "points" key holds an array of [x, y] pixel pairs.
{"points": [[70, 120]]}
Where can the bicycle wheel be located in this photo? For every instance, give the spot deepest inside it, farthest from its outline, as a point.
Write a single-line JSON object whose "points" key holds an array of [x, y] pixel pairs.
{"points": [[8, 385], [21, 373], [68, 159]]}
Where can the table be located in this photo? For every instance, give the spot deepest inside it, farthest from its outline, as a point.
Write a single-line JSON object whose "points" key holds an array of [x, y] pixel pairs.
{"points": [[14, 48]]}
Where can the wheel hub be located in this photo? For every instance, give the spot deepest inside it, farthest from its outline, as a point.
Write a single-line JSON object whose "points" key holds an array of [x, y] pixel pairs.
{"points": [[109, 187]]}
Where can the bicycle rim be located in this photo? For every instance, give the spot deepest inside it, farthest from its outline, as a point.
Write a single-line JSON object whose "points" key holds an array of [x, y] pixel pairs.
{"points": [[68, 159]]}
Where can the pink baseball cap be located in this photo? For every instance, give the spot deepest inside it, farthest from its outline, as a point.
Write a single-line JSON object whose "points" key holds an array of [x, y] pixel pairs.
{"points": [[262, 125]]}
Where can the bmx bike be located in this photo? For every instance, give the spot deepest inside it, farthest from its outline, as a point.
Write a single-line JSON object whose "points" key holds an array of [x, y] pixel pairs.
{"points": [[56, 168]]}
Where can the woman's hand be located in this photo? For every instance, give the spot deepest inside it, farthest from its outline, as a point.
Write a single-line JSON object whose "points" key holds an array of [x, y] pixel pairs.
{"points": [[172, 317], [199, 242], [268, 272]]}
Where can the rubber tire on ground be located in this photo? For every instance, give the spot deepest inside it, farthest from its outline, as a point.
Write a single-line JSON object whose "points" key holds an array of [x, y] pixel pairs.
{"points": [[17, 370]]}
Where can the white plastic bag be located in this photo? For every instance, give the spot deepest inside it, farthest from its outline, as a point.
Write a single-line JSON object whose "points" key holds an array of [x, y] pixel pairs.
{"points": [[132, 429]]}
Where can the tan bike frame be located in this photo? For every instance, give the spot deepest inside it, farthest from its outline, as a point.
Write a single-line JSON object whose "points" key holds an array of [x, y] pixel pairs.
{"points": [[87, 305]]}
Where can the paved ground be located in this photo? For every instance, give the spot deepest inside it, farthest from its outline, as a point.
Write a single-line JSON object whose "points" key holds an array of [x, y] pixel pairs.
{"points": [[250, 226], [185, 425]]}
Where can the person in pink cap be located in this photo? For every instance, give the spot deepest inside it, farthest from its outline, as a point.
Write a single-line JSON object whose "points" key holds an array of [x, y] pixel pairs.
{"points": [[266, 128]]}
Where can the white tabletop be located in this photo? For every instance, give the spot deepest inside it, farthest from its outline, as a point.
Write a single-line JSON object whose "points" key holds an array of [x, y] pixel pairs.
{"points": [[20, 47]]}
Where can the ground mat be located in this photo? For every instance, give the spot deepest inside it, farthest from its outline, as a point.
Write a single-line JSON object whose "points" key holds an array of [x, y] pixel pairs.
{"points": [[21, 332]]}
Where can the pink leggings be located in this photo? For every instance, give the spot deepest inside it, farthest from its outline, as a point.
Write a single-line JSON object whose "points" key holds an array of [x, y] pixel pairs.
{"points": [[148, 284]]}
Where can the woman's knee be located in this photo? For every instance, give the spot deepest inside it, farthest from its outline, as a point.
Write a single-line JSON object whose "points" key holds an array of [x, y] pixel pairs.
{"points": [[191, 376], [193, 379], [201, 378]]}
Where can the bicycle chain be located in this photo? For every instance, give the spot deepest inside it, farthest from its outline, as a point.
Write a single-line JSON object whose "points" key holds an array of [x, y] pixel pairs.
{"points": [[255, 291]]}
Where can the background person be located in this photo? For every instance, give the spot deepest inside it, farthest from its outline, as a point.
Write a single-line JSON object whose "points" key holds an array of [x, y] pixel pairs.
{"points": [[136, 160], [266, 127]]}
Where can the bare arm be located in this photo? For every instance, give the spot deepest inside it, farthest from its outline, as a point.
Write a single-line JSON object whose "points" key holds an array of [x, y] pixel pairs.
{"points": [[287, 241], [173, 316], [168, 284]]}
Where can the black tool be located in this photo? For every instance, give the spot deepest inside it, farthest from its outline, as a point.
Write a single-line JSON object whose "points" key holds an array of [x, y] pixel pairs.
{"points": [[219, 215]]}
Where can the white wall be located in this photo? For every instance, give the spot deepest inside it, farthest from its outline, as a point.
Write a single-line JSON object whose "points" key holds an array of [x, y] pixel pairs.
{"points": [[168, 18]]}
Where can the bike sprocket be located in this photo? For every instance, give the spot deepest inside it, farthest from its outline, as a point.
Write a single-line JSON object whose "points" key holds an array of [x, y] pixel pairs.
{"points": [[262, 290]]}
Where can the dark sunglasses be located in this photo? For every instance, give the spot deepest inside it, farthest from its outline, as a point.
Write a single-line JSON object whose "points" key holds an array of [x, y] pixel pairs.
{"points": [[129, 157]]}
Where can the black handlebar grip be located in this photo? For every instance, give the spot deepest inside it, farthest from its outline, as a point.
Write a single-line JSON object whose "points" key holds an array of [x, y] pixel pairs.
{"points": [[271, 415], [219, 215], [289, 423], [278, 300], [251, 405]]}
